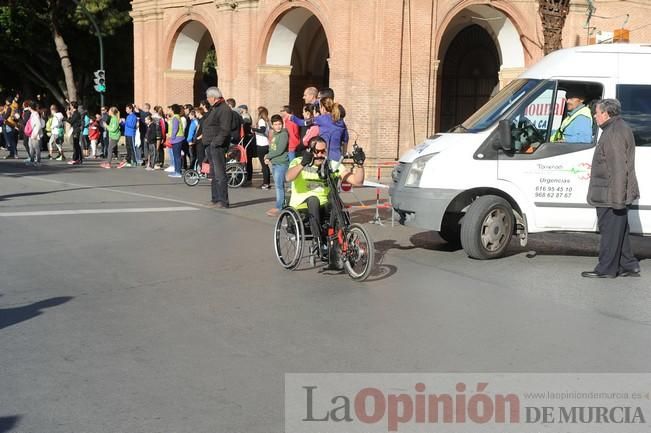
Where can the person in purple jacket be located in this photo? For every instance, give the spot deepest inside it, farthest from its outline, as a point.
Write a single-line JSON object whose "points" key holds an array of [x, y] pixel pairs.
{"points": [[331, 127], [130, 128]]}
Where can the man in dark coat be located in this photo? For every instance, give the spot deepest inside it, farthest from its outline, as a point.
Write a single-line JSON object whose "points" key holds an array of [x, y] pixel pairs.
{"points": [[613, 188], [216, 137]]}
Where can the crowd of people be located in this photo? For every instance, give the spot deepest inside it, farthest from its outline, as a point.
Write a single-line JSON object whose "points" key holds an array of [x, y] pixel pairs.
{"points": [[177, 137]]}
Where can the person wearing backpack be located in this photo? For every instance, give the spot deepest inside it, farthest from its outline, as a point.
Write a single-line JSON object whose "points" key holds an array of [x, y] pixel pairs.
{"points": [[56, 139], [24, 120], [236, 122], [33, 133]]}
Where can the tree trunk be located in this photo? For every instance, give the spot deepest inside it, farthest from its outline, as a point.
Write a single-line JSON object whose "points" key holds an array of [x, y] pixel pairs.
{"points": [[62, 49], [552, 14]]}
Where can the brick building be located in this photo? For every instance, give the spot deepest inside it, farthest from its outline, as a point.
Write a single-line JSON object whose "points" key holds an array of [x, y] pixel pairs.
{"points": [[403, 69]]}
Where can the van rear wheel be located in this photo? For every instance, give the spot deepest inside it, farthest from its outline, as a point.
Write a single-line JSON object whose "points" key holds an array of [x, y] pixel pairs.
{"points": [[487, 228]]}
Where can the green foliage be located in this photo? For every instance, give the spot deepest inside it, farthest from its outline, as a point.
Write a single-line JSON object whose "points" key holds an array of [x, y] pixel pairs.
{"points": [[210, 62], [109, 17], [29, 57]]}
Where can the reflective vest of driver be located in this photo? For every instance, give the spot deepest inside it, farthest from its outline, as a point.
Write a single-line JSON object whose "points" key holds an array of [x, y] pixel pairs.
{"points": [[583, 111]]}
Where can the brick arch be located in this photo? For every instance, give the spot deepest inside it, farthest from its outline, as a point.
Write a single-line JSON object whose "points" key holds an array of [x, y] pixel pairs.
{"points": [[511, 13], [316, 7], [175, 29]]}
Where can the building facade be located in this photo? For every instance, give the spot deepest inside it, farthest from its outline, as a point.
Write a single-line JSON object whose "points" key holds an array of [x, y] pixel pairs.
{"points": [[403, 69]]}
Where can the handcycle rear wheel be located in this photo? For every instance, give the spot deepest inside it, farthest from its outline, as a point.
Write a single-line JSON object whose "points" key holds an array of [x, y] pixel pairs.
{"points": [[191, 177], [360, 254], [235, 174], [288, 238]]}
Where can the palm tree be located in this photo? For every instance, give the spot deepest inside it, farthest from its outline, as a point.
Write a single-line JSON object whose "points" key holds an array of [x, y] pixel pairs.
{"points": [[552, 14]]}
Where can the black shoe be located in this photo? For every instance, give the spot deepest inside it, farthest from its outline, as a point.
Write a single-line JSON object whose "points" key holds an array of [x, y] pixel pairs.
{"points": [[593, 274], [631, 273]]}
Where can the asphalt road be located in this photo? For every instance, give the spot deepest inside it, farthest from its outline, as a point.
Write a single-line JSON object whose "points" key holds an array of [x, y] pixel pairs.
{"points": [[148, 312]]}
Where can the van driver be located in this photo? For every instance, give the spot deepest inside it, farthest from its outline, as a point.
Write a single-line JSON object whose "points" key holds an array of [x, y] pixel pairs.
{"points": [[577, 126]]}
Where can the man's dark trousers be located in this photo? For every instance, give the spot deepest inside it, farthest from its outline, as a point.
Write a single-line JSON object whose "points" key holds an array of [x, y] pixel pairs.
{"points": [[219, 185], [615, 253]]}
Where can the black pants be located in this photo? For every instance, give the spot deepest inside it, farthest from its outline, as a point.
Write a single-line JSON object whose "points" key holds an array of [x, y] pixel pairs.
{"points": [[317, 214], [131, 149], [266, 173], [615, 253], [77, 154], [219, 184], [185, 149], [199, 155]]}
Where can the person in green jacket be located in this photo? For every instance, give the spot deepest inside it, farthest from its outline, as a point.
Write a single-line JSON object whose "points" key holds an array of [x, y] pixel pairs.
{"points": [[113, 129], [279, 161]]}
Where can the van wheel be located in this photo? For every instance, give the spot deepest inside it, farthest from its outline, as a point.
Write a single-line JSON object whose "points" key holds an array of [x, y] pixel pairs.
{"points": [[487, 228], [451, 229]]}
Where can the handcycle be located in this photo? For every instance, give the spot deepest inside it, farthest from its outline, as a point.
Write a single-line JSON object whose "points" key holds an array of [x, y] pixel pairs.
{"points": [[236, 160], [348, 245]]}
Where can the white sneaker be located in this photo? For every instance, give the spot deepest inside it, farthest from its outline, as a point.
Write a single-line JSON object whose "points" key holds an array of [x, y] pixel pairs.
{"points": [[169, 169]]}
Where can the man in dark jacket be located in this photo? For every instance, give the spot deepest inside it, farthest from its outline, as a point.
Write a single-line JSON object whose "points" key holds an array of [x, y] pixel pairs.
{"points": [[216, 137], [613, 188], [74, 119]]}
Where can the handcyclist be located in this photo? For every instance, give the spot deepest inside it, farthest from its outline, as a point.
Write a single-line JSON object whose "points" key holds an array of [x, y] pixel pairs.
{"points": [[310, 191]]}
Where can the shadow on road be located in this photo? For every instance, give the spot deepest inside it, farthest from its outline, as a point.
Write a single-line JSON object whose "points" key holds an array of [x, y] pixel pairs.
{"points": [[252, 202], [7, 423], [12, 316], [543, 244]]}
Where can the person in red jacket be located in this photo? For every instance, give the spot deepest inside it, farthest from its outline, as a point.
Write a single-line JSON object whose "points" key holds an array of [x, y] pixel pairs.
{"points": [[292, 130], [94, 134]]}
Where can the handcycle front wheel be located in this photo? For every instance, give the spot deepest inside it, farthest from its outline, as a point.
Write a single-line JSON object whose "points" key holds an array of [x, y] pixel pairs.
{"points": [[191, 177], [235, 174], [360, 254], [288, 238]]}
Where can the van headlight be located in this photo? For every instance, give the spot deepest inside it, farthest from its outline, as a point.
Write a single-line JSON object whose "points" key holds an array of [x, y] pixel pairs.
{"points": [[416, 170]]}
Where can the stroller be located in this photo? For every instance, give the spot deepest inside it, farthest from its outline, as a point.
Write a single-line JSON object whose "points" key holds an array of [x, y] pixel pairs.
{"points": [[236, 160]]}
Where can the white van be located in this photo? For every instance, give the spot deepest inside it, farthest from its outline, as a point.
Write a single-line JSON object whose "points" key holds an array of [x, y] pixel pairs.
{"points": [[499, 173]]}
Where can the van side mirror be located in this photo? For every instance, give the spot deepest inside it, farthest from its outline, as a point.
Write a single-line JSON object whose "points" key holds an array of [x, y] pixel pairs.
{"points": [[504, 135]]}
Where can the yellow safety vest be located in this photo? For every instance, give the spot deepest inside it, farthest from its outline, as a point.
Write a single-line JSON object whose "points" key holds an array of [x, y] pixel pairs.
{"points": [[559, 135]]}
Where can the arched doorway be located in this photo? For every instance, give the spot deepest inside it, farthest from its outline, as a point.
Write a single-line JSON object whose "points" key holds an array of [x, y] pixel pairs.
{"points": [[193, 58], [480, 49], [470, 75], [299, 43]]}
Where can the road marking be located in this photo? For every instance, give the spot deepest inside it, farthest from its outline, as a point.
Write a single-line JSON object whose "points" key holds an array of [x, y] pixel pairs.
{"points": [[97, 211], [100, 188]]}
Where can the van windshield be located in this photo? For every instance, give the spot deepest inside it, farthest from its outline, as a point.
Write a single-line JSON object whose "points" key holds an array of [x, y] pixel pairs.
{"points": [[499, 104]]}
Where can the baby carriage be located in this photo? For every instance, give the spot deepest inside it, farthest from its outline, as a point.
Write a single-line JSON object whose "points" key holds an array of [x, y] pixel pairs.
{"points": [[236, 160]]}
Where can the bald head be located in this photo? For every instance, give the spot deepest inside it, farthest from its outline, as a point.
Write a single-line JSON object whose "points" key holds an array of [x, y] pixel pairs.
{"points": [[310, 95]]}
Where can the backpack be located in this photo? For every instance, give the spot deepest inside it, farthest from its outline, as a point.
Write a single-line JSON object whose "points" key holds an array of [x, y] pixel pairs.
{"points": [[236, 123], [28, 128]]}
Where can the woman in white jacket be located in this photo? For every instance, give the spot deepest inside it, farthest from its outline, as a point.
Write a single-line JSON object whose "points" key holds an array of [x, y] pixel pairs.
{"points": [[35, 135], [56, 139]]}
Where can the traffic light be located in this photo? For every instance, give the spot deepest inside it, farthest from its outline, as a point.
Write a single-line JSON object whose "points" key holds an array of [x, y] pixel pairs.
{"points": [[100, 81]]}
